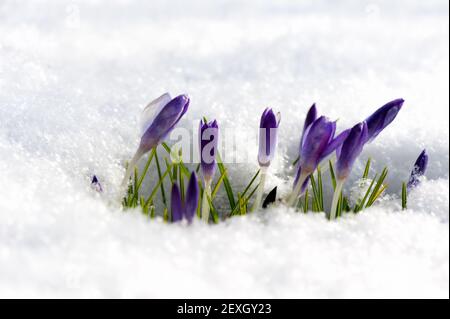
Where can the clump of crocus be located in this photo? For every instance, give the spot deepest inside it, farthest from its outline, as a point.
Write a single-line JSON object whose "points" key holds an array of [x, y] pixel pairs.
{"points": [[268, 131], [317, 142], [208, 142], [158, 120], [382, 118], [350, 150], [185, 209], [95, 185], [419, 169]]}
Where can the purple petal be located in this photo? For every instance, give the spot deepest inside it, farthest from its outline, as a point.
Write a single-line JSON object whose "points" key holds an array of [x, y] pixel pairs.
{"points": [[311, 116], [164, 122], [420, 167], [267, 137], [176, 204], [315, 142], [208, 143], [382, 117], [192, 194], [351, 149], [335, 143]]}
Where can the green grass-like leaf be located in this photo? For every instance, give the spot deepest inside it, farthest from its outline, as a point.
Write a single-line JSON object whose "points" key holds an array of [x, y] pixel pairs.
{"points": [[378, 189], [226, 182], [360, 205], [367, 168], [404, 196]]}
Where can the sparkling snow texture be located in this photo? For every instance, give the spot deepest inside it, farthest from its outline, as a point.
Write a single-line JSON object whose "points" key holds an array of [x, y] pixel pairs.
{"points": [[74, 76]]}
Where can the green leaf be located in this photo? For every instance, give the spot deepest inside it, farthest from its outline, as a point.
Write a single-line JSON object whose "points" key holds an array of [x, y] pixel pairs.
{"points": [[367, 168], [320, 188], [251, 183], [376, 190], [161, 184], [362, 202], [226, 183], [316, 197], [212, 211], [158, 185], [332, 174], [404, 196], [306, 201]]}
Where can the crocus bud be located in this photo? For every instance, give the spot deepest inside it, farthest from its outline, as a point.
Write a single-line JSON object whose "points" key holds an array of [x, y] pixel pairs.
{"points": [[208, 141], [311, 116], [158, 120], [176, 204], [351, 149], [420, 167], [95, 185], [382, 118], [192, 194], [315, 141], [268, 137], [168, 114]]}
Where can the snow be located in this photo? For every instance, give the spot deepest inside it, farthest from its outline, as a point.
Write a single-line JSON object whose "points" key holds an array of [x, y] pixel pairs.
{"points": [[74, 76]]}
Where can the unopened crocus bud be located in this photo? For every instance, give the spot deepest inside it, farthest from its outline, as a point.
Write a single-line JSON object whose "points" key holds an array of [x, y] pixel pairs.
{"points": [[315, 141], [348, 153], [192, 198], [382, 118], [158, 120], [351, 149], [164, 121], [176, 204], [208, 142], [311, 116], [420, 167], [268, 131], [95, 185]]}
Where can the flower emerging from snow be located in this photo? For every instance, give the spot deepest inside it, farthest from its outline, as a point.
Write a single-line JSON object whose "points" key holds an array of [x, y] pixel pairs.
{"points": [[346, 157], [420, 167], [317, 142], [208, 142], [268, 131], [382, 118], [187, 208], [158, 120], [95, 185]]}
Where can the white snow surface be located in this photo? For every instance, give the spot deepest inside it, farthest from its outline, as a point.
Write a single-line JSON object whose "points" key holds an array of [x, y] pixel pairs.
{"points": [[74, 76]]}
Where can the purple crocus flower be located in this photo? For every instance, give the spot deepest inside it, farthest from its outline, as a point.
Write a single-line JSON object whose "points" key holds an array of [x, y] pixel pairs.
{"points": [[192, 194], [382, 118], [420, 167], [95, 185], [317, 142], [158, 120], [208, 141], [176, 204], [311, 116], [349, 152], [268, 129], [187, 208]]}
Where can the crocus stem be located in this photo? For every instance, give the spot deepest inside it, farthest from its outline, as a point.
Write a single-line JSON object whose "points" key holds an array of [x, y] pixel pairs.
{"points": [[205, 203], [293, 197], [336, 196], [130, 169], [259, 194]]}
